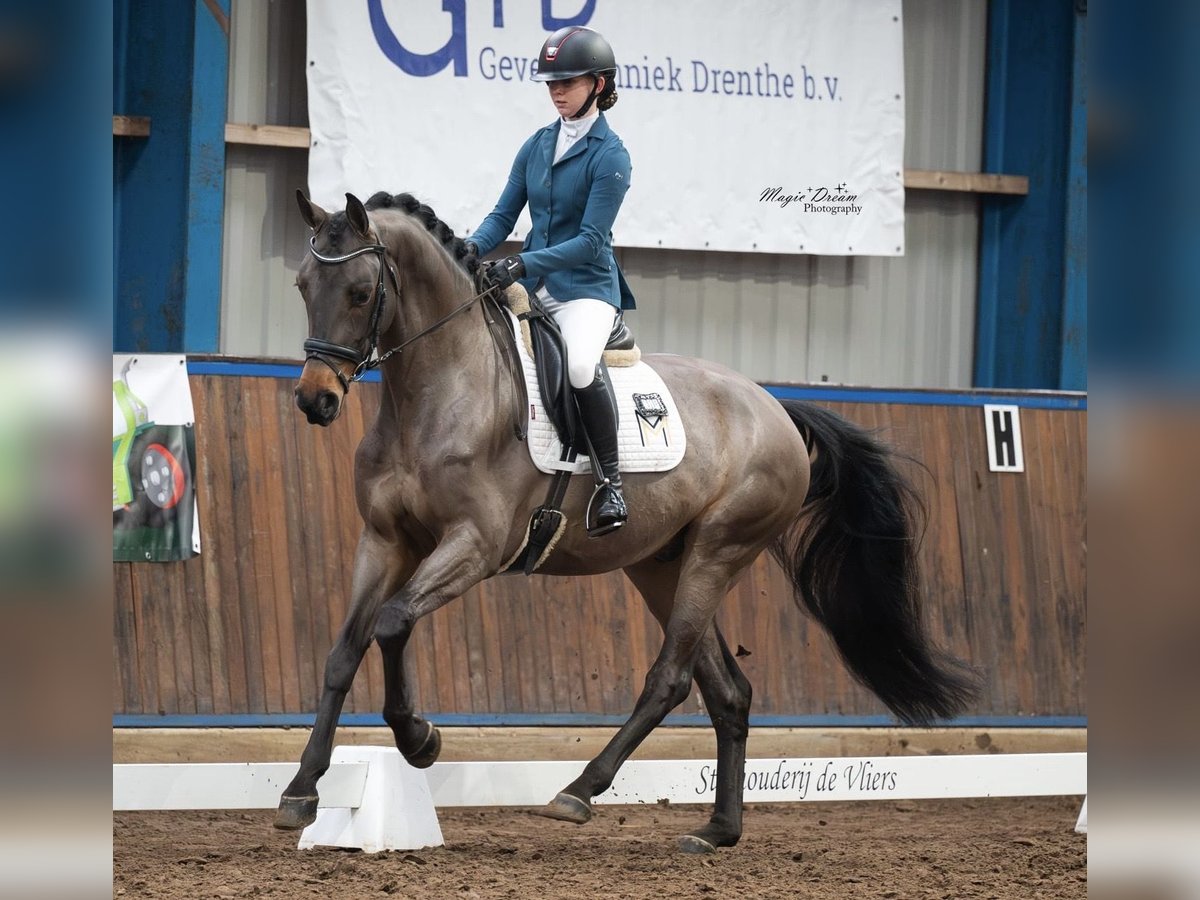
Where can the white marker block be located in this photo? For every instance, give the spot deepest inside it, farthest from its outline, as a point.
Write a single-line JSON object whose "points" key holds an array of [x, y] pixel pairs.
{"points": [[396, 812]]}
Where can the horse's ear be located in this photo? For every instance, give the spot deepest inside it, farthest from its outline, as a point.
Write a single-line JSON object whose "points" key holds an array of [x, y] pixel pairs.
{"points": [[314, 217], [356, 215]]}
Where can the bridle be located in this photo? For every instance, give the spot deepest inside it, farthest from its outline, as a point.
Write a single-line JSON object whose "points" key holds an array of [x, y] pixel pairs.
{"points": [[320, 349]]}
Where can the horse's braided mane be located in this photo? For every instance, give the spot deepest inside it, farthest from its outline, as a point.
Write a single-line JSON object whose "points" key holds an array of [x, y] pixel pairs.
{"points": [[455, 246], [407, 203]]}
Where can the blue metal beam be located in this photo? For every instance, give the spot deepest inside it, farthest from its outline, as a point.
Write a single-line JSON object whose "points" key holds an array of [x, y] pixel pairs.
{"points": [[828, 393], [1019, 330], [206, 177], [152, 49], [1072, 373], [170, 65]]}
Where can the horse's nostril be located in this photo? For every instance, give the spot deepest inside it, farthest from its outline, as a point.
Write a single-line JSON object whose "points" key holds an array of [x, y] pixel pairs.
{"points": [[327, 403]]}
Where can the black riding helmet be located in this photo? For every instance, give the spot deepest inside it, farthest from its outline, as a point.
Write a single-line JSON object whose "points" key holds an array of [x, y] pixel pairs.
{"points": [[574, 51]]}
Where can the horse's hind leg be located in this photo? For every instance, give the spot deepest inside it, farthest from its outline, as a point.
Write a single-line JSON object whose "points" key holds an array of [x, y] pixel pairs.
{"points": [[726, 693], [378, 572], [703, 582]]}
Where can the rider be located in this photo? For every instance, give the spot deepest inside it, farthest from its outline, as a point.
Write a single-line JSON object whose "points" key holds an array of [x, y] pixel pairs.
{"points": [[573, 174]]}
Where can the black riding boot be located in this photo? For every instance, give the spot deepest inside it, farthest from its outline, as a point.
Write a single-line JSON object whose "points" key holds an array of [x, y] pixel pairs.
{"points": [[598, 413]]}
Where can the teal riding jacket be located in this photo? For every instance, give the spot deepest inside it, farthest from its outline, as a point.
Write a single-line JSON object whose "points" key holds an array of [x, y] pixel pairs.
{"points": [[573, 204]]}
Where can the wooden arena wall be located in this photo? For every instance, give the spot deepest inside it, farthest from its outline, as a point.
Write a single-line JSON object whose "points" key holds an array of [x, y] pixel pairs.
{"points": [[245, 627]]}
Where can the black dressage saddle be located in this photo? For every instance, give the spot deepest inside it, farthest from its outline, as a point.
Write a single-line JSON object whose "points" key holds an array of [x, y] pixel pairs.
{"points": [[550, 357]]}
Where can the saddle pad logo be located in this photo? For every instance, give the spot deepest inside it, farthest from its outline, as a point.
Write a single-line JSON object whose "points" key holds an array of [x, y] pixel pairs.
{"points": [[652, 419]]}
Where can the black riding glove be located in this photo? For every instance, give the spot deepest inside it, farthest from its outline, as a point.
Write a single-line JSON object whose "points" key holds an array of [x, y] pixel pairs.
{"points": [[503, 272]]}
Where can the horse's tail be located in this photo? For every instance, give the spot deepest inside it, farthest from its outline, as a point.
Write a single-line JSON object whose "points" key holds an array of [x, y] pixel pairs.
{"points": [[852, 559]]}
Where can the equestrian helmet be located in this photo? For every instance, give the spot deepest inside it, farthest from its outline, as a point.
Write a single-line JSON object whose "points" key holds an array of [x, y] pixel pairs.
{"points": [[573, 51]]}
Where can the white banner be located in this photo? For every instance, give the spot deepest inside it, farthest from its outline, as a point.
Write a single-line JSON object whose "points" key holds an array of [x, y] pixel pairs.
{"points": [[771, 127]]}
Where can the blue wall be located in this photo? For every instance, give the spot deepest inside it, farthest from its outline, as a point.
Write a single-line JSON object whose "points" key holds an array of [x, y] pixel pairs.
{"points": [[170, 65], [53, 235], [1031, 327]]}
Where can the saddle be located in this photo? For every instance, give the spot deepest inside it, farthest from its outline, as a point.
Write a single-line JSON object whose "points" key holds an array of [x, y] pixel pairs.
{"points": [[545, 343]]}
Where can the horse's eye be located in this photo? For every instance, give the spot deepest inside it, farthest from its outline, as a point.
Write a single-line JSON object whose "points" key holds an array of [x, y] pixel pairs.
{"points": [[359, 297]]}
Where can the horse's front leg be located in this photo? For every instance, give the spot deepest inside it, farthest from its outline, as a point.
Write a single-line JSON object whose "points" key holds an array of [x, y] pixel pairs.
{"points": [[379, 570], [454, 567]]}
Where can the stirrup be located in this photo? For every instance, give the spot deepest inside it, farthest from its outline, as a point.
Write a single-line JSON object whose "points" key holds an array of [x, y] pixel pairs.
{"points": [[595, 531]]}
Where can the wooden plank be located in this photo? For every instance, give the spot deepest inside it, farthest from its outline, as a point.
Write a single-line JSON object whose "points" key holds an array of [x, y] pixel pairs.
{"points": [[261, 515], [308, 674], [473, 640], [131, 126], [196, 605], [524, 644], [443, 698], [536, 674], [1071, 472], [968, 182], [314, 543], [241, 552], [173, 596], [510, 640], [126, 655], [456, 672], [559, 648], [219, 549], [267, 135], [978, 494], [212, 745], [1034, 493], [1013, 527], [274, 501], [158, 619]]}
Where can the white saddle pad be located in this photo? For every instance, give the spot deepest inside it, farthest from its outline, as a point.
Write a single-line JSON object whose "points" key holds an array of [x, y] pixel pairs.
{"points": [[649, 439]]}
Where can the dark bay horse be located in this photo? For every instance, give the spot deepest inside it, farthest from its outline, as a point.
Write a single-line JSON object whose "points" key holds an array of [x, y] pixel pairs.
{"points": [[445, 491]]}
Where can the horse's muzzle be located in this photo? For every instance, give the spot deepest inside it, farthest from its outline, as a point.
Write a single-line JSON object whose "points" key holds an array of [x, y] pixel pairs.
{"points": [[321, 407]]}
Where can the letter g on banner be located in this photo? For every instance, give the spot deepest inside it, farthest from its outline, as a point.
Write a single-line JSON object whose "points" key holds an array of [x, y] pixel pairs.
{"points": [[424, 64]]}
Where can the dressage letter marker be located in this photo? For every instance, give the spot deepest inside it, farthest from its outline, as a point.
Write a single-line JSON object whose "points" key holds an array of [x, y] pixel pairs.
{"points": [[1003, 424]]}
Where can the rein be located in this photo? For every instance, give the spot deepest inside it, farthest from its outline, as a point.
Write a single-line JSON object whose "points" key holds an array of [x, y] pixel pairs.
{"points": [[319, 349]]}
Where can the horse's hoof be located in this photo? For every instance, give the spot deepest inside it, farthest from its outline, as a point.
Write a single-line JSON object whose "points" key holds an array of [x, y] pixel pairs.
{"points": [[566, 808], [689, 843], [430, 750], [295, 812]]}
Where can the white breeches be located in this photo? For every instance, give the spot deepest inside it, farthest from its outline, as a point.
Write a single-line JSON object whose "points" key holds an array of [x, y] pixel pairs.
{"points": [[585, 325]]}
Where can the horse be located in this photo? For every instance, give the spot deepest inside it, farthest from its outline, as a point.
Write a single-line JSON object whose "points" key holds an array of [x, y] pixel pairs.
{"points": [[445, 490]]}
